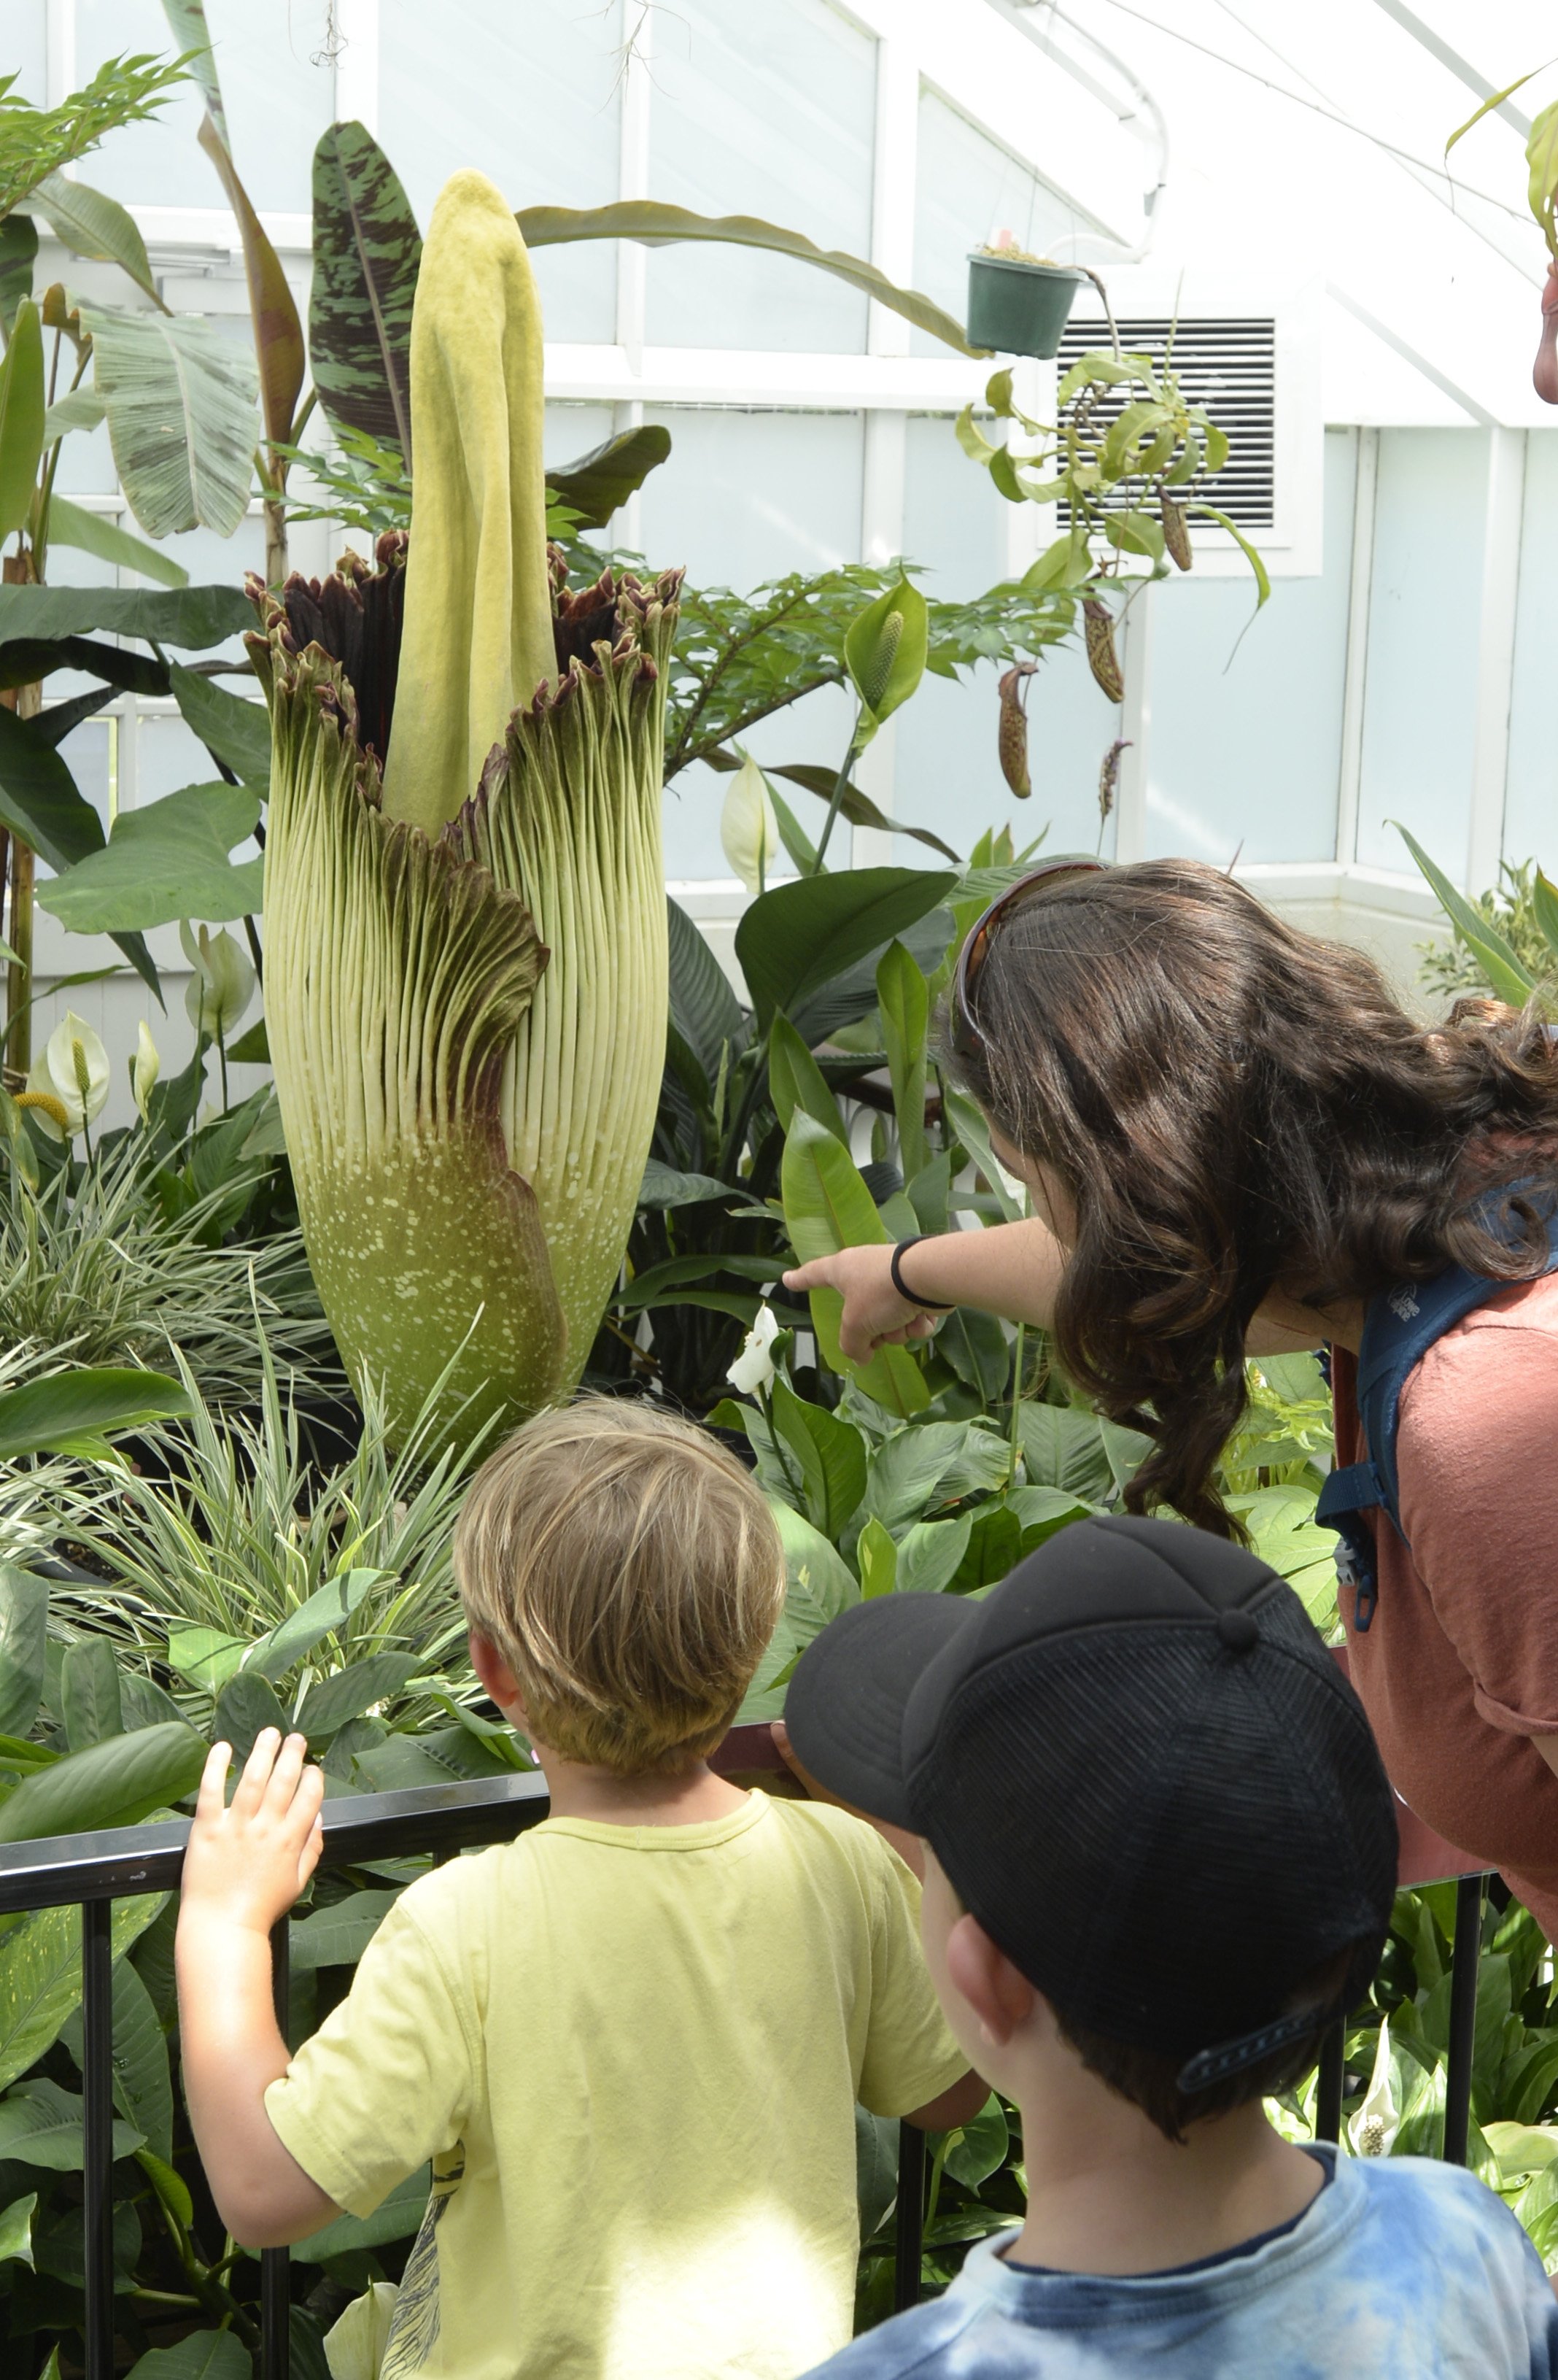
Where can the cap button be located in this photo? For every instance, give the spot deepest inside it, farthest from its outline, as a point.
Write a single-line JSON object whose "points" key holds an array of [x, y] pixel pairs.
{"points": [[1237, 1630]]}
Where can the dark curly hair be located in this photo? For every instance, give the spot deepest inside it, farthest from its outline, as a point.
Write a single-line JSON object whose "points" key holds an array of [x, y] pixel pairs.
{"points": [[1235, 1106]]}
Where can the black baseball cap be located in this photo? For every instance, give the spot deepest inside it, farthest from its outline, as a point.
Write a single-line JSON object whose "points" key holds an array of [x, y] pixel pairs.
{"points": [[1139, 1770]]}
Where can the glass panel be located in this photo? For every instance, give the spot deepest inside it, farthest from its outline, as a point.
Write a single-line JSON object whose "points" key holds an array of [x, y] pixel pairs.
{"points": [[1530, 820], [1249, 753], [1418, 720], [24, 47], [747, 497], [761, 107], [946, 772], [158, 163], [277, 84], [530, 95], [966, 189]]}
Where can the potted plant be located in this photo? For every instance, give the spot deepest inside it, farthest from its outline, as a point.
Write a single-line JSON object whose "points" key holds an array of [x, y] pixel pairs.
{"points": [[1017, 303]]}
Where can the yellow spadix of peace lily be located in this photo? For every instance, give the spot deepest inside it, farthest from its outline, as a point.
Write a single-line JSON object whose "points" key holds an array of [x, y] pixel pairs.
{"points": [[465, 907]]}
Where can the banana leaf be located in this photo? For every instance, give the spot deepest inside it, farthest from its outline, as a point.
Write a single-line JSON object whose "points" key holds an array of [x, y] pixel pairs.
{"points": [[654, 224]]}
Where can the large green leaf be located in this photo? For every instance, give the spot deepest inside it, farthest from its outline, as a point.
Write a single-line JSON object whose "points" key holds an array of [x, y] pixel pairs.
{"points": [[795, 1080], [90, 1693], [1063, 1447], [1510, 980], [904, 1005], [24, 1616], [704, 1009], [95, 225], [60, 1411], [113, 1784], [192, 618], [656, 225], [25, 660], [795, 938], [93, 533], [203, 2355], [337, 1937], [346, 1693], [664, 1187], [16, 2229], [142, 2082], [915, 1471], [367, 253], [328, 1608], [19, 252], [827, 1207], [165, 862], [245, 1707], [829, 1454], [40, 1975], [181, 418], [604, 478], [21, 418], [40, 2124], [238, 733]]}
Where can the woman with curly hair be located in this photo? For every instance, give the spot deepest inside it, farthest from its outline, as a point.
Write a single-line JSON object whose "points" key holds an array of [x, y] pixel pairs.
{"points": [[1235, 1139]]}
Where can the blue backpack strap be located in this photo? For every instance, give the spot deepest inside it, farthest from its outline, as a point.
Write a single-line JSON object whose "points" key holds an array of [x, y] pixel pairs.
{"points": [[1399, 1328]]}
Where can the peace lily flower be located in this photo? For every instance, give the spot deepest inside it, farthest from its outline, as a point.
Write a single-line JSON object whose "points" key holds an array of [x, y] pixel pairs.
{"points": [[1372, 2130], [69, 1085], [221, 985], [753, 1367], [749, 831], [145, 1067]]}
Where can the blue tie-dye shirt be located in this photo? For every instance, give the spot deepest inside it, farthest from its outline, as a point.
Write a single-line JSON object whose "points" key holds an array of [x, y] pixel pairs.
{"points": [[1400, 2269]]}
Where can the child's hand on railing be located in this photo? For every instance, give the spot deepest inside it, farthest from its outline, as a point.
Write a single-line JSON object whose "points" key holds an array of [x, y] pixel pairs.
{"points": [[246, 1863]]}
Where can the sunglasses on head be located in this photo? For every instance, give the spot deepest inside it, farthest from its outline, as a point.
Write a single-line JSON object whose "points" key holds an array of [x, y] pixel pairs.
{"points": [[968, 1042]]}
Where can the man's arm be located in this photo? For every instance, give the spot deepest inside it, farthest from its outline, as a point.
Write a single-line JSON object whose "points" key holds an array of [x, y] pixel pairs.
{"points": [[244, 1868]]}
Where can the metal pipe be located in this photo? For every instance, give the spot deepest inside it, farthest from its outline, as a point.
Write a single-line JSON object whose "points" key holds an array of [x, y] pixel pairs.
{"points": [[97, 2077], [910, 2229], [1465, 1959], [275, 2264], [1328, 2088]]}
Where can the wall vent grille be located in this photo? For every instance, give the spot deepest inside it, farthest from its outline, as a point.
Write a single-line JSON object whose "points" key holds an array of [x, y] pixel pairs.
{"points": [[1228, 365]]}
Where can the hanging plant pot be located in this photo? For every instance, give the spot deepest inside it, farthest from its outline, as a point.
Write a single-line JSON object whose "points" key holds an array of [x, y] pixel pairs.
{"points": [[1018, 307]]}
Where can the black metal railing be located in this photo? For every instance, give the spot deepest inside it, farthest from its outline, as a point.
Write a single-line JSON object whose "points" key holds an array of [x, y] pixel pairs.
{"points": [[96, 1870]]}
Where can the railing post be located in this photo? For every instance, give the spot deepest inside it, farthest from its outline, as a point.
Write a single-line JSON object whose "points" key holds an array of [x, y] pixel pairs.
{"points": [[275, 2264], [910, 2230], [1328, 2087], [1465, 1959], [97, 2077]]}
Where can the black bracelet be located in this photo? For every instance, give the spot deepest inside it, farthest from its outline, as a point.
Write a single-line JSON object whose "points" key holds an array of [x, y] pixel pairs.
{"points": [[930, 1305]]}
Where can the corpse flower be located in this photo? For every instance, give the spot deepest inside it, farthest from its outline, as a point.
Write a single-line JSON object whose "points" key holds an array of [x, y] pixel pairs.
{"points": [[466, 982]]}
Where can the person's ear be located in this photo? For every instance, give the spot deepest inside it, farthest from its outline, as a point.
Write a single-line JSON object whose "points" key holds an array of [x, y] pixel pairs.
{"points": [[999, 1996], [496, 1676]]}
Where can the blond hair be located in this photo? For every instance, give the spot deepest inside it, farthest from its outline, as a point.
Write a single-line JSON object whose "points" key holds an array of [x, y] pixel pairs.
{"points": [[629, 1572]]}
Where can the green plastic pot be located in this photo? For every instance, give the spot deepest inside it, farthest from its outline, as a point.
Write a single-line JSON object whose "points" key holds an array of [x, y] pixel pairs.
{"points": [[1015, 308]]}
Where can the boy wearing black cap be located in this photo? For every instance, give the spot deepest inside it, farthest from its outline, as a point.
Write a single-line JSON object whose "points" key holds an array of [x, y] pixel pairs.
{"points": [[1160, 1858]]}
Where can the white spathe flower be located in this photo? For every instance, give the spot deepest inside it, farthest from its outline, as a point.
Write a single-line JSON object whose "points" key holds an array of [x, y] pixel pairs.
{"points": [[354, 2347], [222, 984], [748, 828], [145, 1067], [72, 1069], [1372, 2130], [753, 1367]]}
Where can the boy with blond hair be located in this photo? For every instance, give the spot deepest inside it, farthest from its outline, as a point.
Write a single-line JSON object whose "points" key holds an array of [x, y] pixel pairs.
{"points": [[631, 2041]]}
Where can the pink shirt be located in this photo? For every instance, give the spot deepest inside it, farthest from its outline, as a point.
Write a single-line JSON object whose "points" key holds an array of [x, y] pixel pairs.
{"points": [[1459, 1668]]}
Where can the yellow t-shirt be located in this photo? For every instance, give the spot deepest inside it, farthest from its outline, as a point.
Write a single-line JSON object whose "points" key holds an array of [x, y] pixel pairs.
{"points": [[633, 2053]]}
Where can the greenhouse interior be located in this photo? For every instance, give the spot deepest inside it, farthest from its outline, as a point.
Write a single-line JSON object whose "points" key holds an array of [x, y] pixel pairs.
{"points": [[781, 1041]]}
